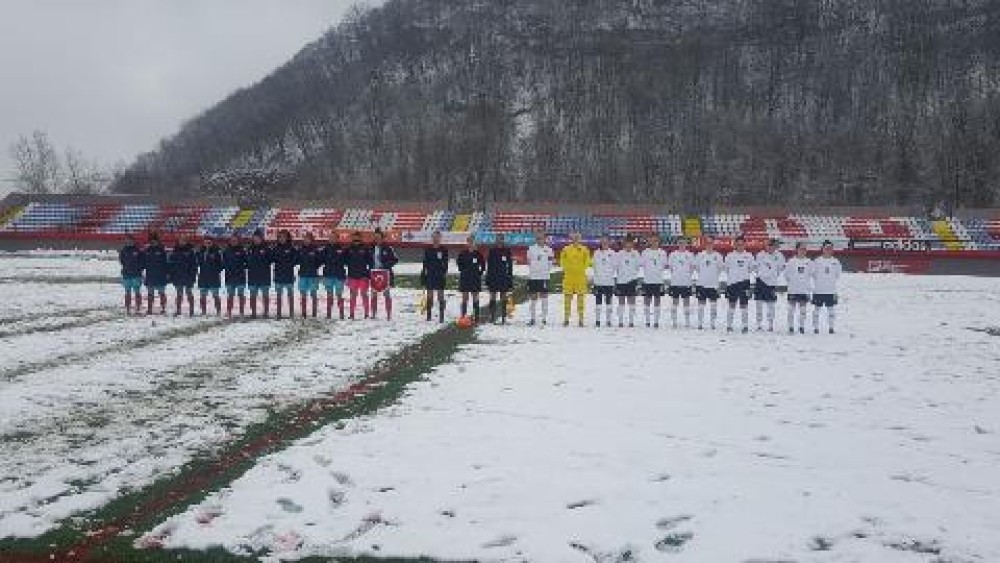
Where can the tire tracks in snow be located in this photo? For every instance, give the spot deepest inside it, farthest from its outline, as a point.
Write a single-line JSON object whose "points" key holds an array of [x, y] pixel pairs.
{"points": [[35, 317], [42, 324], [9, 375]]}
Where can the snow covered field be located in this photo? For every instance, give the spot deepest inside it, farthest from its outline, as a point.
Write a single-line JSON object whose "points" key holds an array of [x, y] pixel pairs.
{"points": [[93, 403], [880, 443]]}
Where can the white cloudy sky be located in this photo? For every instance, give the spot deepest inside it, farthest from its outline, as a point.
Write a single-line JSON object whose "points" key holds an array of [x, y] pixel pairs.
{"points": [[112, 77]]}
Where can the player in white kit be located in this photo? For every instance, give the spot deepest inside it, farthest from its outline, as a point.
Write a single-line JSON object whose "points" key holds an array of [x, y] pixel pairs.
{"points": [[770, 266], [826, 273], [708, 265], [540, 260], [681, 264], [799, 277], [654, 265], [604, 262], [627, 270], [738, 265]]}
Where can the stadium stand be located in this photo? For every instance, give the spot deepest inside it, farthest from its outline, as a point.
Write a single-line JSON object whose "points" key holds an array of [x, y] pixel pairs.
{"points": [[109, 218]]}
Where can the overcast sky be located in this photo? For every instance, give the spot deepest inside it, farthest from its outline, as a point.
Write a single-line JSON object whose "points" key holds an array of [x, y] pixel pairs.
{"points": [[112, 77]]}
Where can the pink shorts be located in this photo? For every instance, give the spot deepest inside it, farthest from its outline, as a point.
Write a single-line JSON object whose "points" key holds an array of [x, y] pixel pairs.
{"points": [[357, 285]]}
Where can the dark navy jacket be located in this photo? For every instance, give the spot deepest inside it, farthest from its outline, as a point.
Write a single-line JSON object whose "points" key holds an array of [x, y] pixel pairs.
{"points": [[500, 268], [333, 261], [234, 260], [130, 258], [435, 266], [358, 259], [285, 257], [183, 266], [386, 256], [210, 266], [259, 265], [310, 260], [154, 261], [471, 266]]}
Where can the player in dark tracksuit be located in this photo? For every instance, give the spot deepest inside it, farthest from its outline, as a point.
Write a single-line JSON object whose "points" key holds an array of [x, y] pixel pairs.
{"points": [[434, 275], [183, 270], [310, 260], [499, 277], [471, 266], [210, 267], [234, 260], [358, 260], [334, 274], [154, 264], [383, 258], [130, 258], [259, 261], [286, 257]]}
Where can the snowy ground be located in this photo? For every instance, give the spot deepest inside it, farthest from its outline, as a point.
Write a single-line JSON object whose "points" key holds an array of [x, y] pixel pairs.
{"points": [[880, 443], [93, 403]]}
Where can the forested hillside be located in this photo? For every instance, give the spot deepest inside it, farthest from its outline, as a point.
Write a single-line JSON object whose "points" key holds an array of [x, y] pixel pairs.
{"points": [[688, 102]]}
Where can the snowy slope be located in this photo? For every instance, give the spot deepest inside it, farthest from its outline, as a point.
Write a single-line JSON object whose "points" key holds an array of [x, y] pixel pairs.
{"points": [[880, 443]]}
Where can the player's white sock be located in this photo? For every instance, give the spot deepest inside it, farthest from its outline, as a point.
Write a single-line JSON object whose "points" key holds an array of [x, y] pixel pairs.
{"points": [[656, 314], [802, 315], [608, 312], [645, 311], [745, 315], [791, 316], [729, 317], [531, 308], [631, 313], [545, 309], [715, 312], [621, 313], [673, 314], [833, 316], [815, 318], [687, 315], [770, 315], [597, 310], [701, 314], [760, 313]]}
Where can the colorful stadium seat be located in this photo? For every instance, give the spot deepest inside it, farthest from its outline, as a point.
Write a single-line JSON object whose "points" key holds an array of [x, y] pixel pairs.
{"points": [[113, 219]]}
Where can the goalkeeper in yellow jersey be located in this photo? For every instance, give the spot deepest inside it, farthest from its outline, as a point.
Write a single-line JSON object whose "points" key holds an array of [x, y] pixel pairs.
{"points": [[574, 261]]}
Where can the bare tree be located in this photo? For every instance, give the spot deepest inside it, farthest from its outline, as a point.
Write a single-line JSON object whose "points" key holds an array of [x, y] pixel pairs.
{"points": [[83, 176], [38, 167]]}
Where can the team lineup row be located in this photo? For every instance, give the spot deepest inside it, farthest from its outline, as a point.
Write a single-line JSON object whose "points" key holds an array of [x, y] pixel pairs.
{"points": [[366, 272]]}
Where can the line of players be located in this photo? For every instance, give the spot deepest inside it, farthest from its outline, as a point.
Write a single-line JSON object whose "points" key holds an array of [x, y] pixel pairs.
{"points": [[366, 271], [249, 271], [626, 271]]}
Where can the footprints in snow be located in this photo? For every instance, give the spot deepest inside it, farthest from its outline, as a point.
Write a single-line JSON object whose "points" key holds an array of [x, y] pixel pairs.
{"points": [[673, 542]]}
